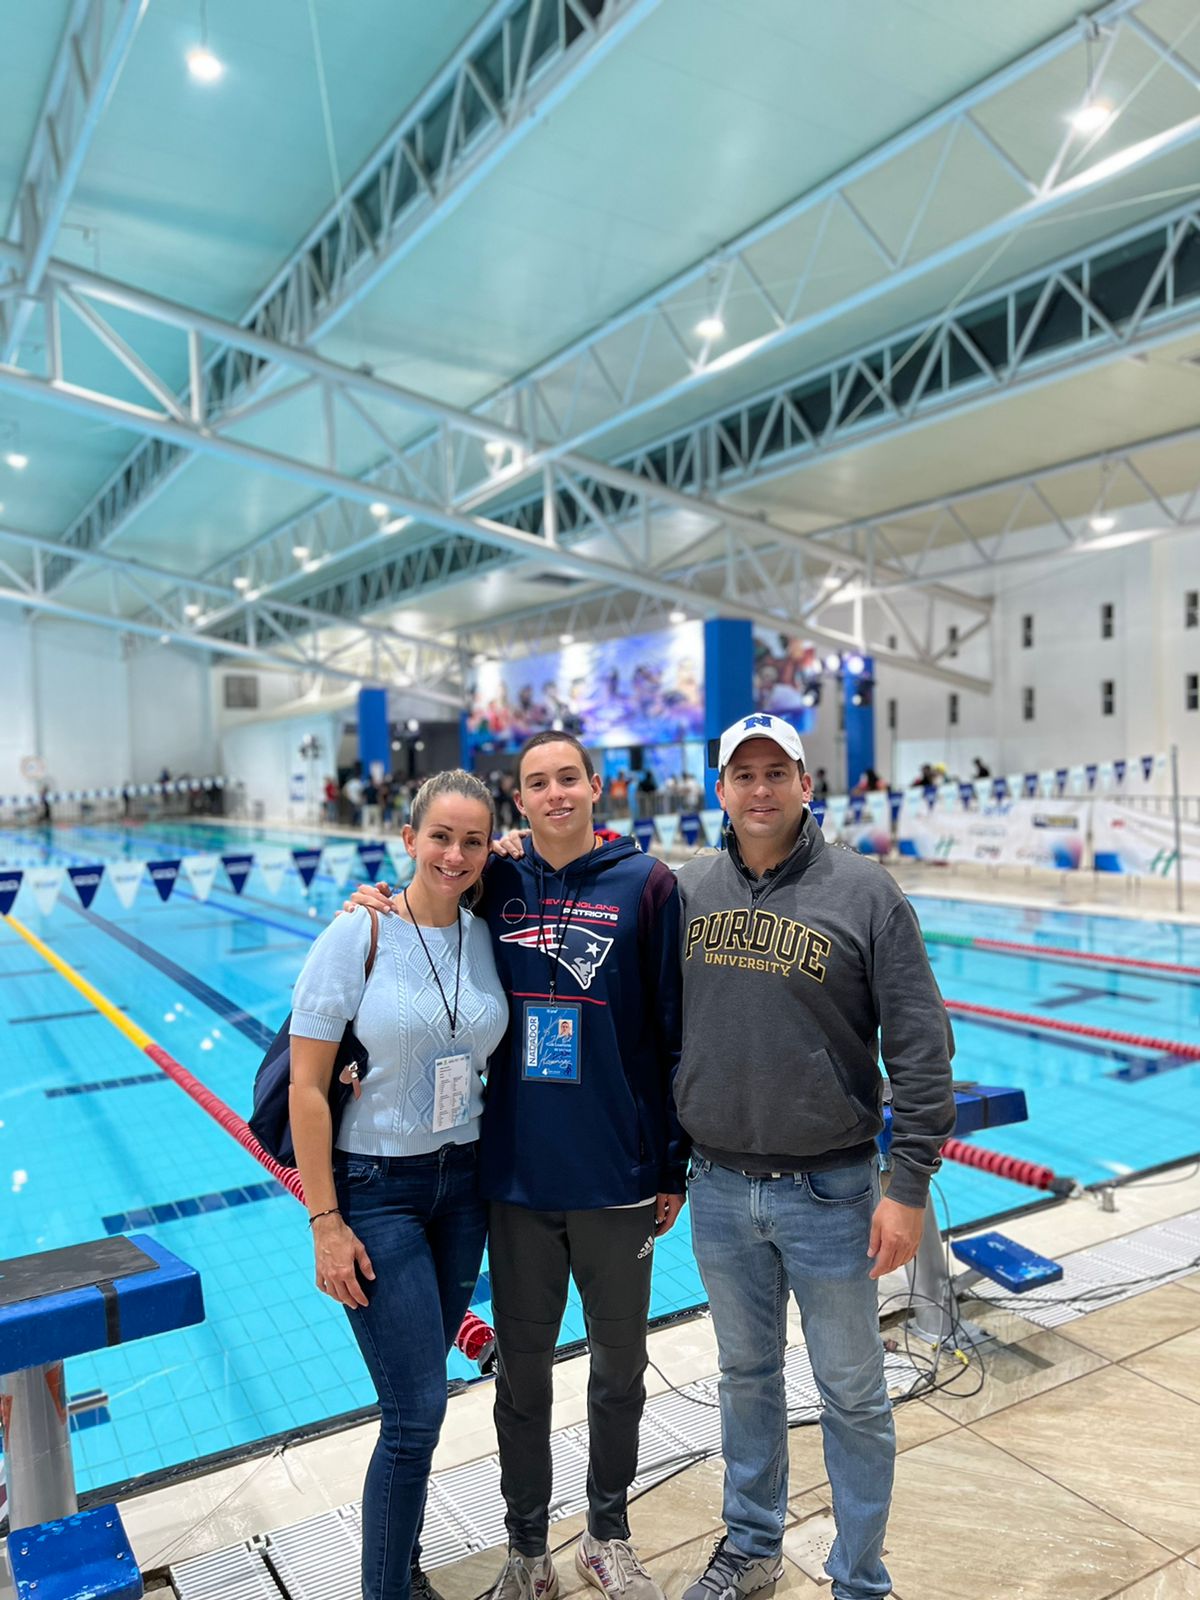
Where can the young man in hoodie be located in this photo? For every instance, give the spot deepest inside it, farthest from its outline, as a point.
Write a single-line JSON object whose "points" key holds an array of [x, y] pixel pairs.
{"points": [[799, 963], [580, 1155]]}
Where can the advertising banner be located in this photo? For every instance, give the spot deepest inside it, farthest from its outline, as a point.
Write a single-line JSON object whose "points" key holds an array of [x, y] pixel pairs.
{"points": [[1014, 833], [615, 692], [1126, 840]]}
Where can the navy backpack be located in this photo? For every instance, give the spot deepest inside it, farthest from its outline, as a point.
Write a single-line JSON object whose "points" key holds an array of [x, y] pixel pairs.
{"points": [[270, 1122]]}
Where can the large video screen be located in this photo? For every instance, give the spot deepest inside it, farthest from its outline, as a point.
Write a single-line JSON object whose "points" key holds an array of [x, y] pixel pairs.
{"points": [[645, 690]]}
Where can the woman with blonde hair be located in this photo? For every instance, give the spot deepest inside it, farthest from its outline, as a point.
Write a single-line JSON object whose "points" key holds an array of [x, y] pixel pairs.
{"points": [[398, 1226]]}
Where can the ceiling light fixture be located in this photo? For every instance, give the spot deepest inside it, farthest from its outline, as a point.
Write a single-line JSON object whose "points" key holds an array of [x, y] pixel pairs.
{"points": [[710, 328], [203, 65], [855, 665], [677, 617], [1091, 116], [17, 460], [378, 509], [241, 583], [833, 663], [311, 566], [566, 638], [191, 610], [1102, 524], [494, 450], [300, 551]]}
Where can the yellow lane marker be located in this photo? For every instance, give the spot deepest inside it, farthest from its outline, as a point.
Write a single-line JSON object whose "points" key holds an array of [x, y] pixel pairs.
{"points": [[132, 1032]]}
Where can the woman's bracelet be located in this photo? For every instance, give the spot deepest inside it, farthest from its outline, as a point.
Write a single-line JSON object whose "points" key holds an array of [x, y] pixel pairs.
{"points": [[334, 1211]]}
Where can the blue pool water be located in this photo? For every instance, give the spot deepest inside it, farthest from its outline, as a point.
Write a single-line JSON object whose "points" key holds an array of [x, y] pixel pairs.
{"points": [[93, 1139]]}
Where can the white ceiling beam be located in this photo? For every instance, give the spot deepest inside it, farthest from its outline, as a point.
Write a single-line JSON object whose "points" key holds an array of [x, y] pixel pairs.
{"points": [[428, 164], [96, 44]]}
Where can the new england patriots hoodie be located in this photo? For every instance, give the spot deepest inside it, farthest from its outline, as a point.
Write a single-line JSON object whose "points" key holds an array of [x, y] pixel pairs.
{"points": [[607, 926]]}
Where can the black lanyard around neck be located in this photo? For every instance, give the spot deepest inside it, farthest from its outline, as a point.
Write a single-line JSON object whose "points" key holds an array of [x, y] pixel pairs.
{"points": [[564, 924], [451, 1016]]}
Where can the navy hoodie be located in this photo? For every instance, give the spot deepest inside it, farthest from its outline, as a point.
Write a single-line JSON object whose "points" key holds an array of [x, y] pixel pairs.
{"points": [[611, 1139]]}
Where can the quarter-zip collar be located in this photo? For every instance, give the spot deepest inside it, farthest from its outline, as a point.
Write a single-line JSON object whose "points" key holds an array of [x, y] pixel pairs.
{"points": [[810, 843]]}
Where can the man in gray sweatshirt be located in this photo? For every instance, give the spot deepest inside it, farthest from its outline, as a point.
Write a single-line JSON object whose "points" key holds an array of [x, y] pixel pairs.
{"points": [[799, 962]]}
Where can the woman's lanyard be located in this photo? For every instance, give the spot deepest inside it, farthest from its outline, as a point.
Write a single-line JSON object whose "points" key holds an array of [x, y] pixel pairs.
{"points": [[451, 1016]]}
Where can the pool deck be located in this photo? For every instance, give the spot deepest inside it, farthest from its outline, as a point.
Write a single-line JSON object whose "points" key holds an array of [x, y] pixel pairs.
{"points": [[1074, 1474]]}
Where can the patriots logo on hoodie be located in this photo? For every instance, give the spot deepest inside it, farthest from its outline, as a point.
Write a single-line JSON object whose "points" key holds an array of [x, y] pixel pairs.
{"points": [[579, 950]]}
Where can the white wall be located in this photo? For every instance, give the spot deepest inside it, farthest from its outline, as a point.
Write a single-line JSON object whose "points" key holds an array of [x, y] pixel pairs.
{"points": [[264, 755], [1147, 659], [96, 718]]}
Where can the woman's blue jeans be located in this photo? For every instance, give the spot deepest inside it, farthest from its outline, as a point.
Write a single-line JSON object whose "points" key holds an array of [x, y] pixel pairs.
{"points": [[756, 1238], [424, 1226]]}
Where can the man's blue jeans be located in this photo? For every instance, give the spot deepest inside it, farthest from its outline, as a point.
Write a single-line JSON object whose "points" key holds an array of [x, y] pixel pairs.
{"points": [[424, 1227], [754, 1239]]}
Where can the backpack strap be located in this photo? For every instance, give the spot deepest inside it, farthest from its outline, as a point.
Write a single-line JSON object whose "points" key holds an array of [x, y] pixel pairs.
{"points": [[374, 916]]}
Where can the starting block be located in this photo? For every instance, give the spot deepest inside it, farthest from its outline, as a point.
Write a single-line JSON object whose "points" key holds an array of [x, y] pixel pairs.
{"points": [[1004, 1261], [53, 1305], [990, 1255], [87, 1554]]}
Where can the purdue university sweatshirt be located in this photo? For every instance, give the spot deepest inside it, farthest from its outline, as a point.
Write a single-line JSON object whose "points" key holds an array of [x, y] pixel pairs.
{"points": [[791, 984]]}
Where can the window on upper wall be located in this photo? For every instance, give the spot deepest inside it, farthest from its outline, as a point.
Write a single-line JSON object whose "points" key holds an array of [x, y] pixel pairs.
{"points": [[952, 710], [1026, 631], [1027, 705], [1191, 609], [1192, 691], [241, 692], [1107, 613], [1108, 697], [952, 638], [891, 716], [892, 641]]}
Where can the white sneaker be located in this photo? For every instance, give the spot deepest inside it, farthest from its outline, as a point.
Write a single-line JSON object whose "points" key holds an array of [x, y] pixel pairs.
{"points": [[612, 1566], [526, 1578]]}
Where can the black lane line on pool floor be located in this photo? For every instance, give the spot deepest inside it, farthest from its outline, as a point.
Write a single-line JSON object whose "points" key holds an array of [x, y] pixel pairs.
{"points": [[237, 1017]]}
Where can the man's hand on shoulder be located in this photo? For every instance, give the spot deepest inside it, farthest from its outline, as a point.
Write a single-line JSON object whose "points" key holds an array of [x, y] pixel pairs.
{"points": [[895, 1235]]}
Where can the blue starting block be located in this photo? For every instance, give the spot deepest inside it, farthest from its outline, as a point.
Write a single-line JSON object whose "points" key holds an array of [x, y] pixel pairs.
{"points": [[53, 1305], [1004, 1261], [989, 1255], [86, 1554]]}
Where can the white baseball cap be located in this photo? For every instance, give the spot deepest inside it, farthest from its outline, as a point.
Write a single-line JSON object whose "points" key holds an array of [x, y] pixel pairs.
{"points": [[761, 725]]}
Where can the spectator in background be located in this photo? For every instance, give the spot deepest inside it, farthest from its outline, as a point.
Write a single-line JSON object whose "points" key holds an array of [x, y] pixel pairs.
{"points": [[331, 799], [820, 784], [982, 770], [647, 790], [370, 806], [869, 783], [691, 796], [925, 779], [618, 794], [352, 794]]}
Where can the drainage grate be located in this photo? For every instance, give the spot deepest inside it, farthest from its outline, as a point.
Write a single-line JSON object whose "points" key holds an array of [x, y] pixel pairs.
{"points": [[318, 1559], [238, 1573]]}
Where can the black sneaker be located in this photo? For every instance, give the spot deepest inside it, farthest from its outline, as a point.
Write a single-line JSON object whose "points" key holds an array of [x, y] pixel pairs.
{"points": [[420, 1586]]}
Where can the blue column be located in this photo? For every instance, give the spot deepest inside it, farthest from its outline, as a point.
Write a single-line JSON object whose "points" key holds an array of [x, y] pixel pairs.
{"points": [[374, 739], [860, 721], [728, 682]]}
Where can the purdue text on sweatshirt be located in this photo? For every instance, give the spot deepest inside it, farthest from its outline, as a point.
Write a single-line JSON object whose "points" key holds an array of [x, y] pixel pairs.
{"points": [[606, 930], [791, 982]]}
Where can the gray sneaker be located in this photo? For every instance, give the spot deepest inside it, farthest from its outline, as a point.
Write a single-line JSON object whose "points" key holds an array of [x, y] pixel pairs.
{"points": [[730, 1575], [612, 1566], [525, 1578]]}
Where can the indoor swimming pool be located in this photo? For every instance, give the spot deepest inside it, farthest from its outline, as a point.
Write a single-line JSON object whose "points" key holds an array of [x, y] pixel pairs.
{"points": [[94, 1139]]}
